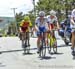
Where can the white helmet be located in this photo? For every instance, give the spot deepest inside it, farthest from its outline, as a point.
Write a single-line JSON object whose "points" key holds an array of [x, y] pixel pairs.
{"points": [[52, 12], [41, 13], [73, 11]]}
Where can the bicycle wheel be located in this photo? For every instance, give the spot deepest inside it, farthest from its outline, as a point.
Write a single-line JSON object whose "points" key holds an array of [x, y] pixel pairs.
{"points": [[28, 48], [49, 43], [42, 47], [55, 46], [28, 44], [49, 48], [24, 48]]}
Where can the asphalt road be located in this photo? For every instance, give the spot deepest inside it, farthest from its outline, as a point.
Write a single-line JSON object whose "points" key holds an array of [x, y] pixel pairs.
{"points": [[13, 57]]}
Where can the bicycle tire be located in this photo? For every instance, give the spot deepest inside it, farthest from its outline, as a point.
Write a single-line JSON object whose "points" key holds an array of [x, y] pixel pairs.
{"points": [[55, 47], [27, 43], [52, 45], [49, 48], [42, 48]]}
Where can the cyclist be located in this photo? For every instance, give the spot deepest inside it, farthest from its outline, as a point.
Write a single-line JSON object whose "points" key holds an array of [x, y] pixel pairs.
{"points": [[25, 28], [73, 28], [40, 26], [52, 22]]}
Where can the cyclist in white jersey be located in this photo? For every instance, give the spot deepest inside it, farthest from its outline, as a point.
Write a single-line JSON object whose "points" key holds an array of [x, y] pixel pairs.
{"points": [[73, 27], [41, 26], [52, 23]]}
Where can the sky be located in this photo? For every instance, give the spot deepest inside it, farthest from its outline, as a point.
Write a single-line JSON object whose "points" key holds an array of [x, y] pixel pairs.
{"points": [[21, 5]]}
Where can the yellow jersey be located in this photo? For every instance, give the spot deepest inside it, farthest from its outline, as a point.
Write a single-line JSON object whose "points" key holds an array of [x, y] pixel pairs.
{"points": [[25, 24]]}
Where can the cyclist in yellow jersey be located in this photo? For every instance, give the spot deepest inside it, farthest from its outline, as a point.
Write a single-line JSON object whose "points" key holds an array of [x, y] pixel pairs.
{"points": [[25, 26]]}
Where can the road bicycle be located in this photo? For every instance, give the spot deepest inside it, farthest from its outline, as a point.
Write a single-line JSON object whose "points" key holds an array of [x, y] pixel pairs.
{"points": [[25, 42], [52, 42], [42, 52]]}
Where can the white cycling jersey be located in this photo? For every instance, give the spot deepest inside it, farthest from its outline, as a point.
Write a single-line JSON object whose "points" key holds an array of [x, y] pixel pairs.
{"points": [[51, 20], [42, 23]]}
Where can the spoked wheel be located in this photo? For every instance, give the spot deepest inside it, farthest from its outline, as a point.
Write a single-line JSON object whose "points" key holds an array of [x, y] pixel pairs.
{"points": [[42, 50], [53, 44], [28, 49], [49, 48], [24, 48]]}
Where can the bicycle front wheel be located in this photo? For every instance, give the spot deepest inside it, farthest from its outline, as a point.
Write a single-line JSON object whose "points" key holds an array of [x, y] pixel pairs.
{"points": [[43, 50]]}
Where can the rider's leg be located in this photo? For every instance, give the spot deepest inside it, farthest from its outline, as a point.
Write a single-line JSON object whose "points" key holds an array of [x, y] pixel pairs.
{"points": [[46, 38], [72, 39], [38, 43], [22, 40], [25, 39]]}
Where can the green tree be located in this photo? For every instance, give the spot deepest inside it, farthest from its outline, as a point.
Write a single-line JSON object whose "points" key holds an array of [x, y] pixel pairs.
{"points": [[57, 5], [32, 17], [19, 16]]}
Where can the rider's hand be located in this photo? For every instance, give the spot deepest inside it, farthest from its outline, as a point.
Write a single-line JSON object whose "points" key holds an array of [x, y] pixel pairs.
{"points": [[36, 29], [21, 31]]}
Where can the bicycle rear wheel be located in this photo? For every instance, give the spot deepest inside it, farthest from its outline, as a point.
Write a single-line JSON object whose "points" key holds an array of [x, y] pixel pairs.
{"points": [[49, 47], [28, 48], [55, 47]]}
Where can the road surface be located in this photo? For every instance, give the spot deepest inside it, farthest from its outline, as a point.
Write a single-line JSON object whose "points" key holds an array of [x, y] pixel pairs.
{"points": [[16, 59]]}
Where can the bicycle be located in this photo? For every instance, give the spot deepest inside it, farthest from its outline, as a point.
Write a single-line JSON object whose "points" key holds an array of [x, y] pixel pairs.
{"points": [[25, 43], [42, 52], [52, 42]]}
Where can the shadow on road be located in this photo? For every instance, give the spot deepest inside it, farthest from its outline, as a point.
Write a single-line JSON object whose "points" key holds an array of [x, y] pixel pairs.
{"points": [[30, 49], [65, 45], [47, 58], [56, 53], [28, 53]]}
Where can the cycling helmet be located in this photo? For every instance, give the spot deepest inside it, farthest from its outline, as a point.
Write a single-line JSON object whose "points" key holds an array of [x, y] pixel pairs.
{"points": [[73, 12], [52, 12], [41, 13], [26, 18]]}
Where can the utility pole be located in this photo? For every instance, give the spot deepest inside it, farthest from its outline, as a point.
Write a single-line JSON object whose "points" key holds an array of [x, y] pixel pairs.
{"points": [[15, 16], [34, 7]]}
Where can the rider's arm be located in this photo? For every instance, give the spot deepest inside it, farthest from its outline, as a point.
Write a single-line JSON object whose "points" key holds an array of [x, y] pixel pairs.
{"points": [[72, 18], [36, 27], [36, 24], [72, 21], [58, 25], [20, 29]]}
